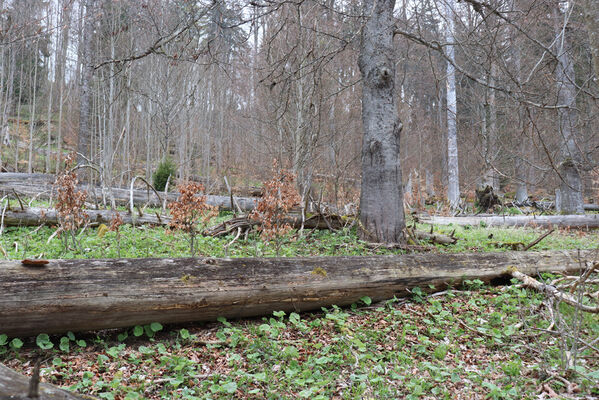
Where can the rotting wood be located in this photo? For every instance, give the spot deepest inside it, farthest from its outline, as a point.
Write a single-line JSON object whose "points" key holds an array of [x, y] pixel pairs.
{"points": [[14, 386], [81, 295], [589, 221]]}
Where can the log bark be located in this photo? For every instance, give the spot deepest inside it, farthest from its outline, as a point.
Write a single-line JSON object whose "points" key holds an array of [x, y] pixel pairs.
{"points": [[14, 386], [41, 186], [80, 295], [33, 216], [589, 221]]}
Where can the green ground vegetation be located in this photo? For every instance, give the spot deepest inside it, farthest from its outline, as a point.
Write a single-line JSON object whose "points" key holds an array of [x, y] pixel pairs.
{"points": [[474, 341]]}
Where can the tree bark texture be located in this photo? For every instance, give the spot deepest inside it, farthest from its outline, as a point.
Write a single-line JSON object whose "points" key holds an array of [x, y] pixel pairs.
{"points": [[85, 123], [14, 386], [590, 221], [571, 158], [592, 24], [80, 295], [381, 201], [453, 176]]}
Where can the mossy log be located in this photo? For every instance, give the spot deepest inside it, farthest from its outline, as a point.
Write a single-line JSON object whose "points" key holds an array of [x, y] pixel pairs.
{"points": [[81, 295]]}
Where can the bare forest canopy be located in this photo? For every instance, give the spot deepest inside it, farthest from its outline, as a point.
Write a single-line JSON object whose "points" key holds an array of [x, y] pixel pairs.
{"points": [[224, 87]]}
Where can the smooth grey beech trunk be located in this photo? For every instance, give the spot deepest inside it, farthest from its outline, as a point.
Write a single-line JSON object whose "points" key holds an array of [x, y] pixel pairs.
{"points": [[381, 201], [453, 177], [571, 158]]}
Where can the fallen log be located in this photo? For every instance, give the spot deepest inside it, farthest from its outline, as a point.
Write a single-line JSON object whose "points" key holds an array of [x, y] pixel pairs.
{"points": [[588, 221], [41, 186], [332, 222], [546, 205], [80, 295], [34, 216], [16, 386]]}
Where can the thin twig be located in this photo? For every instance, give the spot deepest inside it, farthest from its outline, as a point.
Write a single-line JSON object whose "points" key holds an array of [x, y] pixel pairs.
{"points": [[584, 276], [538, 239], [141, 178], [19, 199]]}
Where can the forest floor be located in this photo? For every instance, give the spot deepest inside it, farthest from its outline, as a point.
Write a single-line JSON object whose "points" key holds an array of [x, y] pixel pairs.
{"points": [[470, 342]]}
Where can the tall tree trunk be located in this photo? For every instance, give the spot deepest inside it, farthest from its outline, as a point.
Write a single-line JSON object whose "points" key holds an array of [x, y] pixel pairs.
{"points": [[592, 25], [85, 121], [32, 111], [381, 201], [521, 167], [453, 178], [490, 175], [17, 131], [571, 158]]}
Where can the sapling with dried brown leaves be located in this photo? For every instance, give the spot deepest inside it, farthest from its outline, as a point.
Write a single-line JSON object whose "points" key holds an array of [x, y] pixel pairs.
{"points": [[70, 202], [115, 224], [190, 211], [279, 196]]}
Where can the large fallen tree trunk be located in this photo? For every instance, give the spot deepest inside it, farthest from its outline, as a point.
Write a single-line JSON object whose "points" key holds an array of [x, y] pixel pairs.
{"points": [[33, 216], [41, 186], [16, 386], [589, 221], [79, 295]]}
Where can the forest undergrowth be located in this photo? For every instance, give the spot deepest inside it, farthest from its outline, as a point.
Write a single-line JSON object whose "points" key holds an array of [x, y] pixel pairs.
{"points": [[469, 342]]}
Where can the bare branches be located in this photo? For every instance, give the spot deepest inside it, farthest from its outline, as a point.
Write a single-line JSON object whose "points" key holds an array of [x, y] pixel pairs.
{"points": [[553, 292]]}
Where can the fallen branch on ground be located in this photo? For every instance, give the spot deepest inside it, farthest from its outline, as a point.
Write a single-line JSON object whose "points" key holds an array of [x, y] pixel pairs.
{"points": [[553, 292]]}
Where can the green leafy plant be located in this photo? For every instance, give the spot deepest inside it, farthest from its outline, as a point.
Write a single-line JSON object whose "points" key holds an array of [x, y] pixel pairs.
{"points": [[166, 169], [43, 341], [149, 329]]}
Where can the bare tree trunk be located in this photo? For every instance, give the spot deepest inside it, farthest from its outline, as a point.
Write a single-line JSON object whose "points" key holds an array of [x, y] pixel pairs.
{"points": [[592, 25], [85, 121], [32, 112], [17, 131], [381, 201], [490, 177], [521, 167], [571, 158], [453, 179]]}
